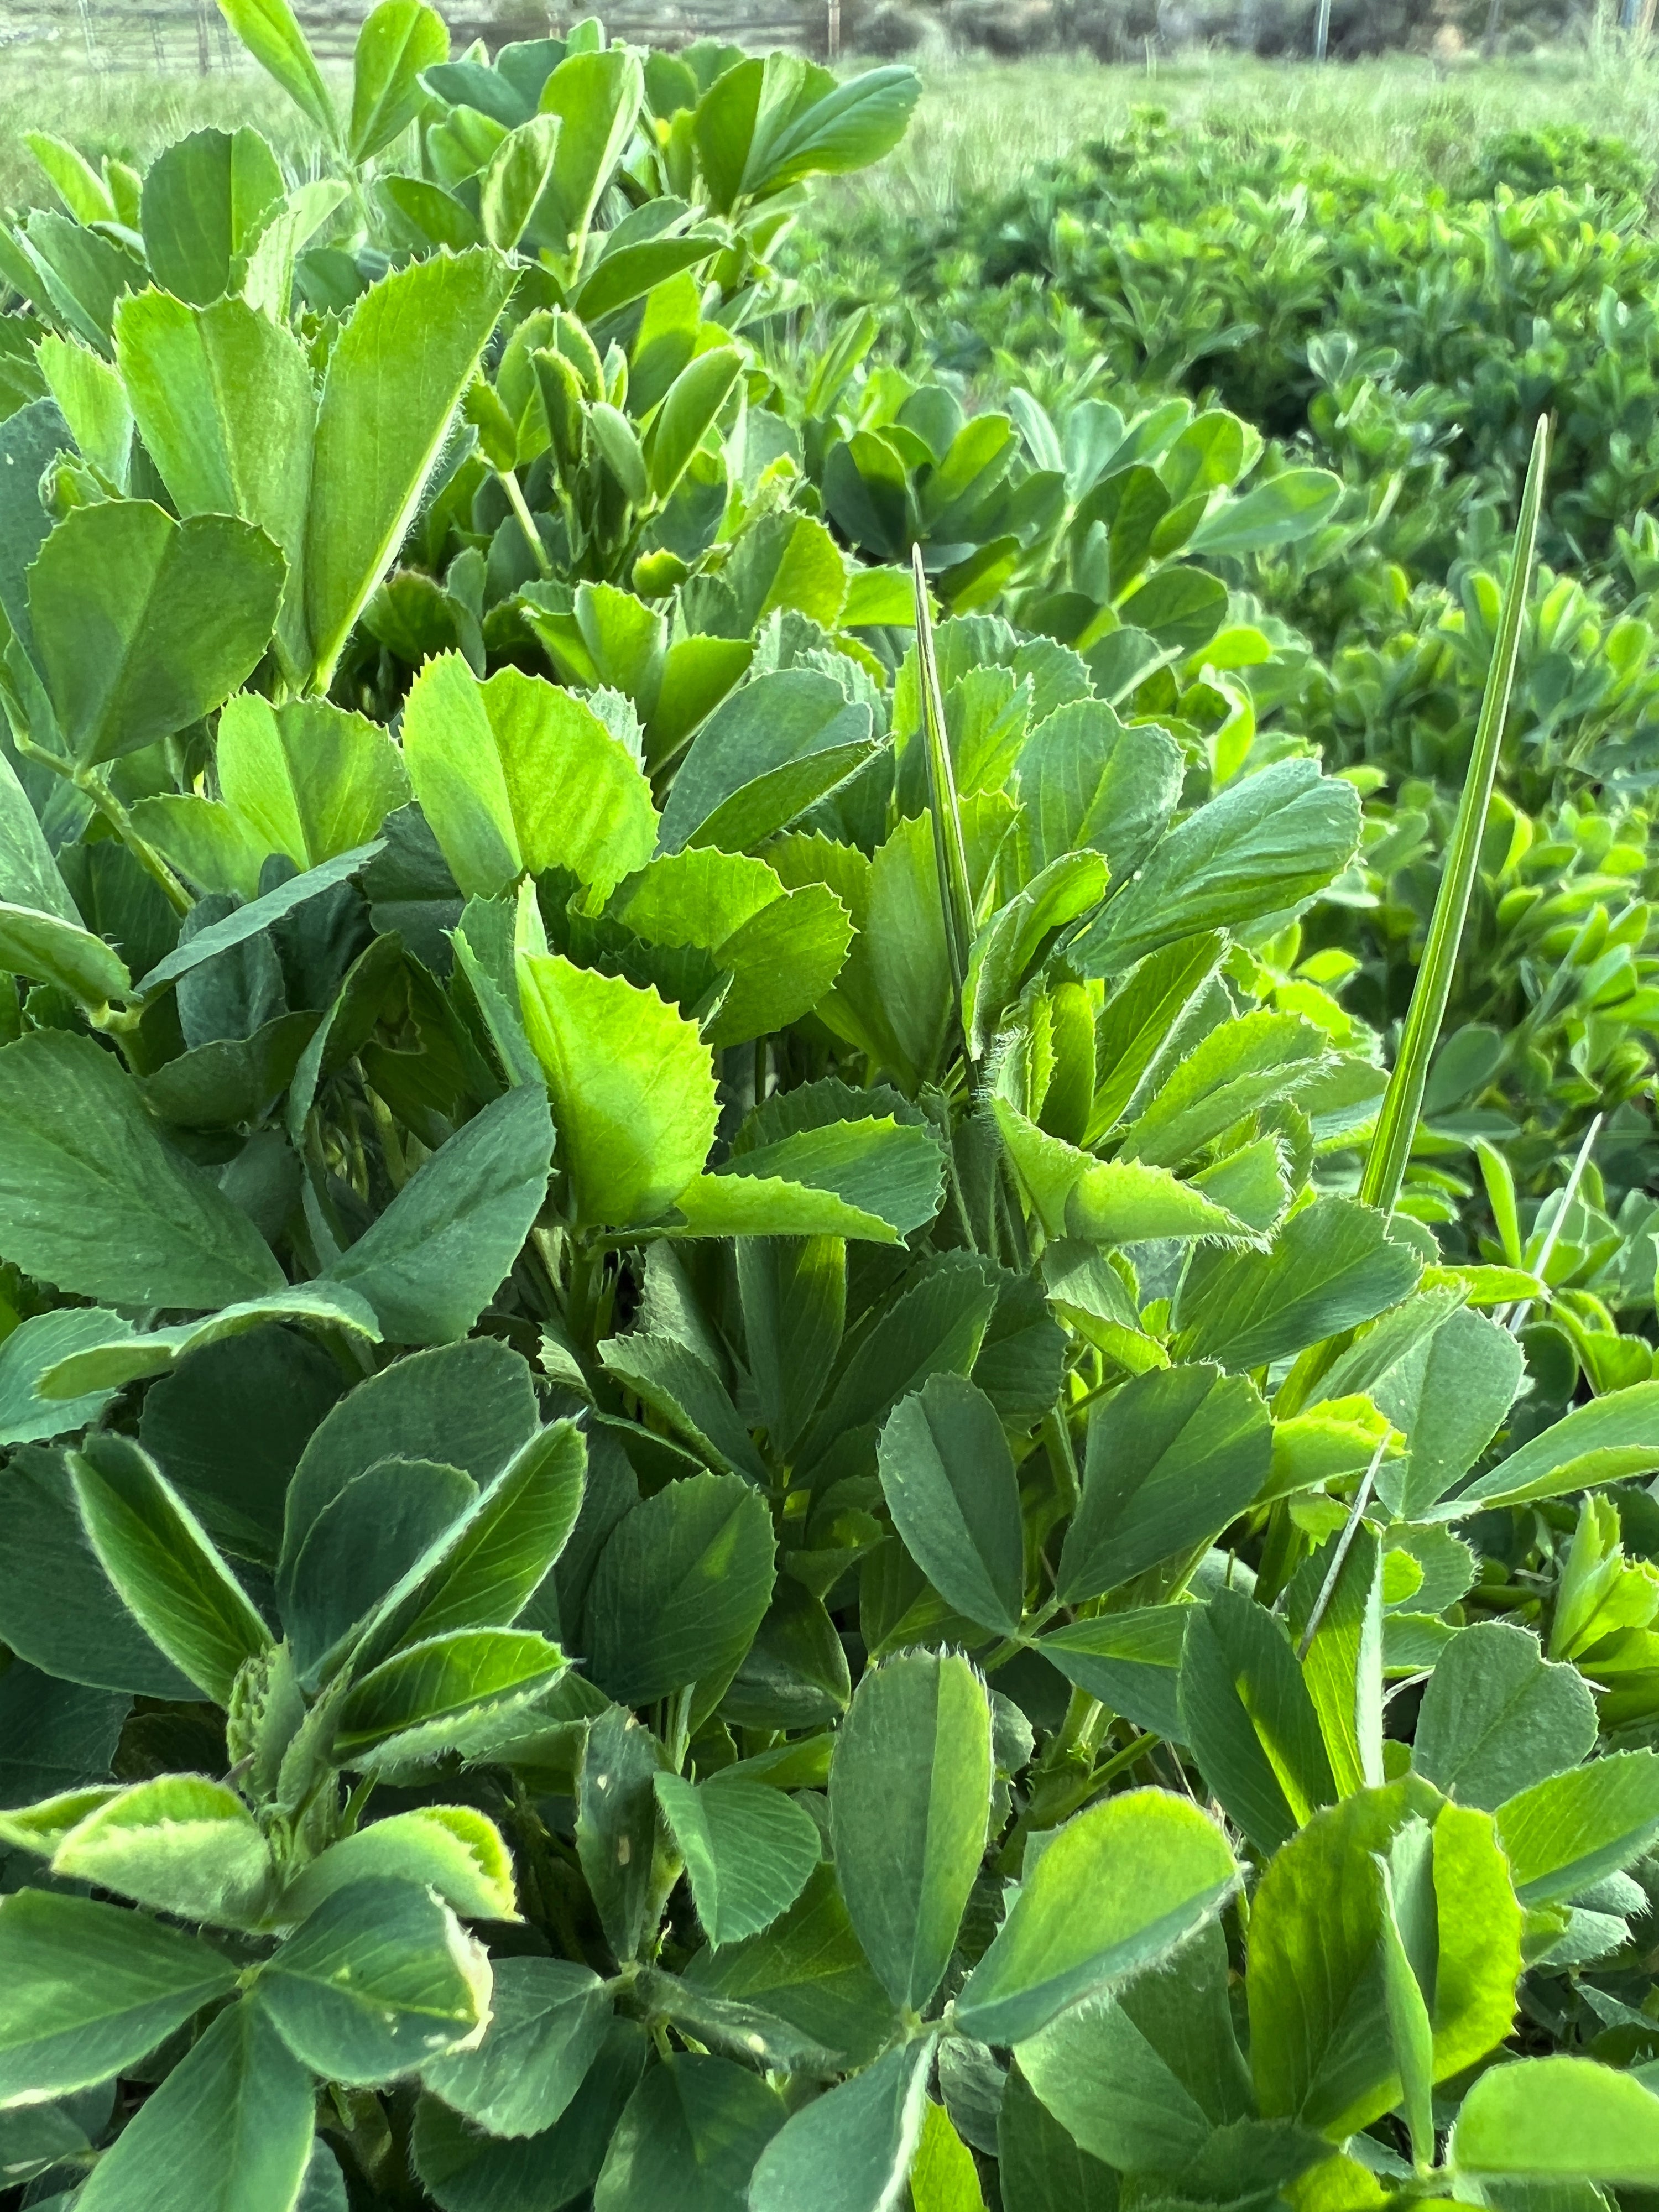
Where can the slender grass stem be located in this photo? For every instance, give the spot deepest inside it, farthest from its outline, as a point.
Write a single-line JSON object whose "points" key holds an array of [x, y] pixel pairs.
{"points": [[1402, 1104]]}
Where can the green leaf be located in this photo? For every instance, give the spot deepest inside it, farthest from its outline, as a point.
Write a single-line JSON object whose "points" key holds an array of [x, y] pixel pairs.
{"points": [[1319, 2033], [33, 1349], [910, 1793], [1140, 1019], [1083, 778], [597, 98], [1342, 1664], [1609, 1440], [229, 2128], [449, 1849], [949, 1480], [784, 949], [515, 775], [304, 778], [398, 40], [765, 125], [617, 443], [465, 2172], [937, 1324], [123, 1356], [180, 1844], [765, 753], [33, 2137], [469, 1406], [1129, 1661], [1140, 2079], [795, 1674], [29, 877], [158, 1556], [90, 394], [943, 2175], [1396, 1124], [1240, 1067], [395, 377], [268, 31], [1265, 845], [1017, 937], [1409, 1964], [1039, 2164], [441, 1694], [1172, 1458], [206, 199], [432, 1261], [54, 1735], [1497, 1716], [687, 414], [793, 1292], [1331, 1266], [485, 1569], [873, 1180], [223, 399], [851, 2150], [76, 183], [1247, 1714], [673, 1380], [808, 1970], [252, 921], [1277, 511], [90, 1988], [369, 1541], [1108, 1201], [48, 950], [57, 1609], [1557, 2119], [379, 1980], [1567, 1831], [747, 1851], [616, 1827], [514, 179], [144, 624], [689, 2136], [682, 1585], [229, 1430], [1114, 1890], [632, 1084], [548, 2020], [1447, 1394]]}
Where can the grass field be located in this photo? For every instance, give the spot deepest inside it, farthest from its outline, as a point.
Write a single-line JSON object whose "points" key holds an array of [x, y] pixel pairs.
{"points": [[980, 124]]}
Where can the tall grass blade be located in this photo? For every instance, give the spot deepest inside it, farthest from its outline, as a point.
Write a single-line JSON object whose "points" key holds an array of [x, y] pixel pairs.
{"points": [[949, 848], [1514, 1318], [1390, 1148]]}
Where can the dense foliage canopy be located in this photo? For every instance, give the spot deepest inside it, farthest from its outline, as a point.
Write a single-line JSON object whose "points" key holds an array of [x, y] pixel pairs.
{"points": [[789, 1425]]}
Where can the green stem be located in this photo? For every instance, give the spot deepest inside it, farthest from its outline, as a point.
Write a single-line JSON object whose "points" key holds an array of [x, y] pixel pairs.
{"points": [[91, 786], [1396, 1126], [1122, 1761], [520, 506], [1081, 1723], [1057, 1438], [581, 1296], [950, 850]]}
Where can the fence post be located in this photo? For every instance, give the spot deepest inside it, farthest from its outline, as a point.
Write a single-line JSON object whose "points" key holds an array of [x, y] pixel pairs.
{"points": [[834, 37], [1322, 30]]}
